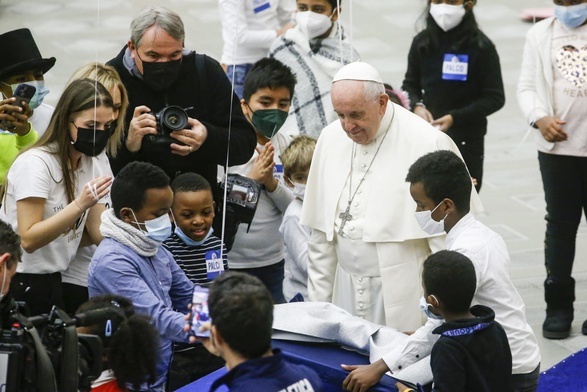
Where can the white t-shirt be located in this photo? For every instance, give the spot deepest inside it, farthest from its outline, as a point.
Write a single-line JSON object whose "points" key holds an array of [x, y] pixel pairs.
{"points": [[37, 173], [41, 118], [569, 62], [77, 272], [255, 23]]}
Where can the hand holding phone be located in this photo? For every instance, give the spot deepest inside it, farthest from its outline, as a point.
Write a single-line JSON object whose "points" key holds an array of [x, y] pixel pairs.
{"points": [[200, 312], [18, 119]]}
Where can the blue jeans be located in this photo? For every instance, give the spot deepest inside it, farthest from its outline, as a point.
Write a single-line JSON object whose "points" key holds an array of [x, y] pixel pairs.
{"points": [[565, 189], [240, 73], [272, 278]]}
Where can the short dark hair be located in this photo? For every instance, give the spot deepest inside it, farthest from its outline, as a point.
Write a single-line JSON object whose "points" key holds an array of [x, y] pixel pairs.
{"points": [[10, 243], [132, 345], [190, 182], [443, 175], [268, 73], [450, 276], [131, 184], [334, 3], [241, 309]]}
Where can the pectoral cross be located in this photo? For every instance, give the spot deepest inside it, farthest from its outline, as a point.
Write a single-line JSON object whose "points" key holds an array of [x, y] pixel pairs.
{"points": [[345, 216]]}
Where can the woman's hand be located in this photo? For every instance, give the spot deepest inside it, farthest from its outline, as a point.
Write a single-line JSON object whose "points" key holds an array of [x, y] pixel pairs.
{"points": [[93, 191]]}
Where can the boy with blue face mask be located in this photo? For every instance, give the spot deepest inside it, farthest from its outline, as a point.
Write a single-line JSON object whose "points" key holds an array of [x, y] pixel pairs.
{"points": [[20, 63], [131, 262], [440, 184]]}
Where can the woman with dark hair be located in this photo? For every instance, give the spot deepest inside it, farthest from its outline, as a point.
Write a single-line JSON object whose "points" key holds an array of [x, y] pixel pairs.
{"points": [[129, 344], [55, 191], [454, 78]]}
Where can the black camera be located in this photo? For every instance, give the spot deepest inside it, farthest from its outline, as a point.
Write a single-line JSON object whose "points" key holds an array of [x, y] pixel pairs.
{"points": [[242, 197], [46, 354], [169, 119]]}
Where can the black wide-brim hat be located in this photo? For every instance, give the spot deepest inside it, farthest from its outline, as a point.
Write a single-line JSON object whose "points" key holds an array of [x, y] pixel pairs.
{"points": [[19, 53]]}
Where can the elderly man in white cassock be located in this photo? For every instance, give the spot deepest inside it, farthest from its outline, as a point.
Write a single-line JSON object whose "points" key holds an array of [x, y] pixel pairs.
{"points": [[367, 248]]}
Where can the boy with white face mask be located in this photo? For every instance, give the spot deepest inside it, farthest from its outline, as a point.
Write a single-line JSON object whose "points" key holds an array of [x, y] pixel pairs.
{"points": [[454, 79], [440, 181], [296, 160], [315, 49]]}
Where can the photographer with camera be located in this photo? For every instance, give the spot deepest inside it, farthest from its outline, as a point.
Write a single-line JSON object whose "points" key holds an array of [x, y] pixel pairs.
{"points": [[182, 105]]}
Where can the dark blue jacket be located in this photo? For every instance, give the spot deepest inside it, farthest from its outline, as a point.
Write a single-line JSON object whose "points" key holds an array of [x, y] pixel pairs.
{"points": [[269, 374]]}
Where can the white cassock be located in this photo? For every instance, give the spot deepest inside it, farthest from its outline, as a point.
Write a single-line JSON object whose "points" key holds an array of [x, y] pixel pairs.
{"points": [[373, 269]]}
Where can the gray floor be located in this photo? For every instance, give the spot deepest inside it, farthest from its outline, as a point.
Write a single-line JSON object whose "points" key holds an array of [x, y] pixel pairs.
{"points": [[79, 31]]}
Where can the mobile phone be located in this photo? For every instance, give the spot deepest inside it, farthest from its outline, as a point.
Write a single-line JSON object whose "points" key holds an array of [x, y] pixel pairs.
{"points": [[200, 312], [24, 92]]}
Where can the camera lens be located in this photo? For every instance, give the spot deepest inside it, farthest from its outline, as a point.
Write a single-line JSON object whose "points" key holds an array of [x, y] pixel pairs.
{"points": [[174, 118]]}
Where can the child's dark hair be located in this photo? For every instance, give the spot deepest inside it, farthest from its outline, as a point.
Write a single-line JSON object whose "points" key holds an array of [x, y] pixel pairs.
{"points": [[190, 182], [241, 309], [268, 73], [334, 3], [130, 341], [10, 243], [131, 184], [470, 34], [450, 276], [443, 175]]}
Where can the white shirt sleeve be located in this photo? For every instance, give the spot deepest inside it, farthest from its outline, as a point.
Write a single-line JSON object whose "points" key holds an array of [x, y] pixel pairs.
{"points": [[417, 346], [234, 21], [32, 177], [322, 263]]}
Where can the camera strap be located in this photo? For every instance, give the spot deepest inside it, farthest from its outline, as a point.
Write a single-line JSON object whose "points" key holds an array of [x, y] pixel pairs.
{"points": [[45, 373]]}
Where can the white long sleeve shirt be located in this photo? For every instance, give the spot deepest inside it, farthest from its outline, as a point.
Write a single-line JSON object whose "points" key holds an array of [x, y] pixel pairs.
{"points": [[489, 255], [251, 26]]}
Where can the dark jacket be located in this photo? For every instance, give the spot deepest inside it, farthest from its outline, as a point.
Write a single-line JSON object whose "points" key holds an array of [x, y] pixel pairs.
{"points": [[470, 101], [211, 105], [269, 374], [472, 355]]}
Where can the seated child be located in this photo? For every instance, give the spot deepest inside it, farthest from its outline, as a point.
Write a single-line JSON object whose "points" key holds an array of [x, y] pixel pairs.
{"points": [[193, 244], [296, 160], [198, 252], [472, 352], [131, 261], [129, 343]]}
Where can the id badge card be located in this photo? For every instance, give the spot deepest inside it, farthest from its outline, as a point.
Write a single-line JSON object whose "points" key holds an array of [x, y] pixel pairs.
{"points": [[214, 264], [260, 5], [278, 172], [455, 67]]}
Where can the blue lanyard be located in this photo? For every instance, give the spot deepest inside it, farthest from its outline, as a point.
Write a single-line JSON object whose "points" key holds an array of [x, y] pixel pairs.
{"points": [[466, 330]]}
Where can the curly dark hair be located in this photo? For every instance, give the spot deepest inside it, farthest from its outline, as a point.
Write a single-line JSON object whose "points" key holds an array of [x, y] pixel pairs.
{"points": [[450, 276], [10, 243], [131, 349], [443, 175]]}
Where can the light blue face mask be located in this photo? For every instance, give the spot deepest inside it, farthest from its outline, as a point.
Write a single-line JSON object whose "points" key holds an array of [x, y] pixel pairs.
{"points": [[40, 93], [572, 16], [188, 241], [158, 229], [424, 307]]}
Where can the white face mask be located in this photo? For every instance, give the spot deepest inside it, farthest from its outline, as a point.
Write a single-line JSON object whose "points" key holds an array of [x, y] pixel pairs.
{"points": [[299, 190], [313, 24], [447, 16], [428, 224], [424, 307], [158, 229]]}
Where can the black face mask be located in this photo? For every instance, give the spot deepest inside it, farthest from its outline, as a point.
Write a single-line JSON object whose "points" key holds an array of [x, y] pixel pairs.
{"points": [[160, 75], [89, 144]]}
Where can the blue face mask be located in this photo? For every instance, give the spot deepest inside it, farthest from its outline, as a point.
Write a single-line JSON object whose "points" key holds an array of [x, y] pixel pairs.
{"points": [[188, 241], [40, 93], [158, 229], [424, 307], [572, 16]]}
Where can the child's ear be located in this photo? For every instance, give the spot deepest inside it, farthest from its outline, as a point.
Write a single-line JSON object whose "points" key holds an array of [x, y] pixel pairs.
{"points": [[449, 206], [213, 209], [126, 215], [469, 5], [245, 107], [335, 14], [432, 300]]}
